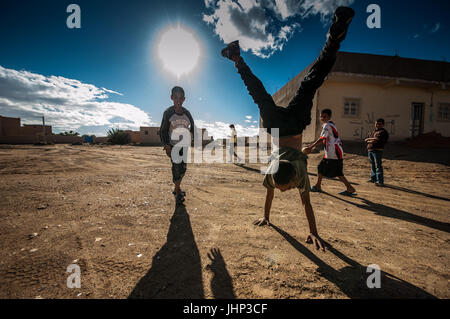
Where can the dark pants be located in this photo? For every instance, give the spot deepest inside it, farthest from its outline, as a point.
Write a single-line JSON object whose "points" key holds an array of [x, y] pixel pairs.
{"points": [[294, 118], [331, 168], [179, 169], [376, 174]]}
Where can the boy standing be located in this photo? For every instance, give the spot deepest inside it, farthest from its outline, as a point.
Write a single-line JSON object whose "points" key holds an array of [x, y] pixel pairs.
{"points": [[292, 120], [332, 164], [233, 144], [375, 146], [176, 120]]}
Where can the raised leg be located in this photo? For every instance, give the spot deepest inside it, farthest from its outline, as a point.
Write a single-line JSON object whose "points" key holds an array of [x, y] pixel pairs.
{"points": [[302, 101]]}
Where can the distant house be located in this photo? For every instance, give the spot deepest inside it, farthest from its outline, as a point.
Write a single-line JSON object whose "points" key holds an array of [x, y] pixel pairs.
{"points": [[12, 133], [149, 135], [413, 96]]}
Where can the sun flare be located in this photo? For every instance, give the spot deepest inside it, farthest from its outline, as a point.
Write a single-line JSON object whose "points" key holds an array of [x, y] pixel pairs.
{"points": [[178, 50]]}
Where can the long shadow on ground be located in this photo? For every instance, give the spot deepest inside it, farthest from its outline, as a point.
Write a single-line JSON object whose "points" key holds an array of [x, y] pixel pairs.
{"points": [[351, 279], [221, 283], [411, 191], [387, 211], [401, 151], [176, 270]]}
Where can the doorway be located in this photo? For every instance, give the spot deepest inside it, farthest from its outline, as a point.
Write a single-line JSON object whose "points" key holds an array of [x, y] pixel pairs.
{"points": [[417, 119]]}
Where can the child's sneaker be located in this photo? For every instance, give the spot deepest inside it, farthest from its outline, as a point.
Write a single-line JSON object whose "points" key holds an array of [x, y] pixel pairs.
{"points": [[232, 49], [341, 20]]}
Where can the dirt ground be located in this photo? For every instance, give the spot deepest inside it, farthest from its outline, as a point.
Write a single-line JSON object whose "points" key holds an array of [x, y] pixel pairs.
{"points": [[110, 210]]}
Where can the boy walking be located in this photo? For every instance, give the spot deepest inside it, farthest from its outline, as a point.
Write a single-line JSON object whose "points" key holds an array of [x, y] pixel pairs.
{"points": [[332, 164], [233, 144], [292, 120], [375, 146], [177, 120]]}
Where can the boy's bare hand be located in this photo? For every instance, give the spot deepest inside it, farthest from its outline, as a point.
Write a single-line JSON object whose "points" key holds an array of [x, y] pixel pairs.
{"points": [[316, 241], [262, 222], [168, 150]]}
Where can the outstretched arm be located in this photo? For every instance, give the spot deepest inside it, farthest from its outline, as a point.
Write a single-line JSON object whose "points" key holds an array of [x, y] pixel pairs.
{"points": [[316, 143], [268, 205], [308, 149], [313, 237]]}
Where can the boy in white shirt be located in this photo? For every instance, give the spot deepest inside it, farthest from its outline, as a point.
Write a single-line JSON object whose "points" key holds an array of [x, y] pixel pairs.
{"points": [[332, 164]]}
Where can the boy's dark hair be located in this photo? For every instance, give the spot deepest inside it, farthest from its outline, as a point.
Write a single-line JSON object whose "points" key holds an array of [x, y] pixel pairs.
{"points": [[286, 171], [231, 125], [327, 111], [380, 121], [177, 89]]}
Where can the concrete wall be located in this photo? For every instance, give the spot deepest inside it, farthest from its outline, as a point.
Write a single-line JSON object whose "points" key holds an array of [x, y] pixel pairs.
{"points": [[149, 135], [32, 139], [432, 122], [9, 126], [135, 136], [35, 129], [19, 139], [61, 139], [101, 139]]}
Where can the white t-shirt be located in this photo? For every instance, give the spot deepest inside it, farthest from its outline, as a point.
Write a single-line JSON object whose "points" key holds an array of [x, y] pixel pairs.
{"points": [[333, 144]]}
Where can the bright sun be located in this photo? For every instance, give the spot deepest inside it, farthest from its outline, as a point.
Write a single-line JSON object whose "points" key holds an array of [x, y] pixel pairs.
{"points": [[178, 50]]}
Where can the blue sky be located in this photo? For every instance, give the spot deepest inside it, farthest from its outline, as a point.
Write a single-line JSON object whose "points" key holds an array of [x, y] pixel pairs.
{"points": [[108, 73]]}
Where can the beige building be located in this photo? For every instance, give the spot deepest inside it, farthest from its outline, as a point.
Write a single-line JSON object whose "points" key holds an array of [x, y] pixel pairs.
{"points": [[150, 135], [413, 96]]}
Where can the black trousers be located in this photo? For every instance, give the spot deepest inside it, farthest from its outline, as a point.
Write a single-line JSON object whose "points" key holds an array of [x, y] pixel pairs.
{"points": [[294, 118], [179, 169]]}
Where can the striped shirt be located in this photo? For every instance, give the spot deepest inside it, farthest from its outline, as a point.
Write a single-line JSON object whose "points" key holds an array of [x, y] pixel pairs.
{"points": [[332, 142]]}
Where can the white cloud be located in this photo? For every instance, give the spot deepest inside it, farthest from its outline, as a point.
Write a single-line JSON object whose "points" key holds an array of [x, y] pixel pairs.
{"points": [[249, 117], [264, 26], [67, 104], [436, 28], [304, 8], [112, 92], [222, 130], [248, 121]]}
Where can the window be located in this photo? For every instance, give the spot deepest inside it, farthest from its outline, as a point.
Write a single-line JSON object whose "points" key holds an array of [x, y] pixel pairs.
{"points": [[351, 107], [444, 111], [146, 132]]}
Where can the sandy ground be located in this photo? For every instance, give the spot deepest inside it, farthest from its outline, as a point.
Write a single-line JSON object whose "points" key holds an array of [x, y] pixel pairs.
{"points": [[110, 210]]}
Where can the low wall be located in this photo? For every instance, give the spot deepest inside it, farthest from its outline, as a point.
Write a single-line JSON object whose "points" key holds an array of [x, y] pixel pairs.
{"points": [[61, 139], [27, 139], [33, 139]]}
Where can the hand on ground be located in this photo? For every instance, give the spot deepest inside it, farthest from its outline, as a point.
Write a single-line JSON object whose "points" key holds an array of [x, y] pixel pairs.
{"points": [[261, 222], [316, 241]]}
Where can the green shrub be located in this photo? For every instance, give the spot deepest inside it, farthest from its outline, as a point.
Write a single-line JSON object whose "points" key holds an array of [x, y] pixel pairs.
{"points": [[118, 137]]}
